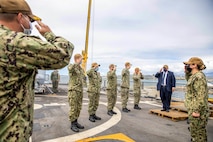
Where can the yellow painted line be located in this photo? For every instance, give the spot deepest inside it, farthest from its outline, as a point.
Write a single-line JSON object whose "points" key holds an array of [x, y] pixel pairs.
{"points": [[118, 136], [210, 100]]}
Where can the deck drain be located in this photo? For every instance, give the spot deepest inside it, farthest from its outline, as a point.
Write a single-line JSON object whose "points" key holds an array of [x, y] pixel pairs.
{"points": [[46, 125], [169, 124]]}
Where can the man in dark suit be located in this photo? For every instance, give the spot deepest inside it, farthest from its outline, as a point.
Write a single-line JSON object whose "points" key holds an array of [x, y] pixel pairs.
{"points": [[166, 85]]}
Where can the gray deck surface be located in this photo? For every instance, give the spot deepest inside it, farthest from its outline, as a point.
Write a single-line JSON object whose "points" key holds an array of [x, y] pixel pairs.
{"points": [[51, 121]]}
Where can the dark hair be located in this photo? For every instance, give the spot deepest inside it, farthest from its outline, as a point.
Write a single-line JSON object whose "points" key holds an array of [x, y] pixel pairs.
{"points": [[7, 16]]}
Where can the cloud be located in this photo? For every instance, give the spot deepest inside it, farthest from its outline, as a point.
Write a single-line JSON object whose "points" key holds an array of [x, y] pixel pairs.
{"points": [[149, 34]]}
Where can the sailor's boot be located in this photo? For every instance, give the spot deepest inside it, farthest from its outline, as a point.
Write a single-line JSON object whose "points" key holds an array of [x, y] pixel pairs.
{"points": [[74, 126], [137, 107], [91, 118], [79, 126]]}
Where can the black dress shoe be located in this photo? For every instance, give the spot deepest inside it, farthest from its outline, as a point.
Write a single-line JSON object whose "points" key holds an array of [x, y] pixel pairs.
{"points": [[110, 113], [96, 117], [163, 110], [91, 118], [125, 110], [114, 112]]}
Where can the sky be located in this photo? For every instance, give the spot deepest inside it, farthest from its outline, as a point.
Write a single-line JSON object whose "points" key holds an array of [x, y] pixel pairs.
{"points": [[146, 33]]}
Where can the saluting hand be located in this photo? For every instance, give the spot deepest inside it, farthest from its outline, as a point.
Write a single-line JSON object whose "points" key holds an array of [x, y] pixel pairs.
{"points": [[42, 28]]}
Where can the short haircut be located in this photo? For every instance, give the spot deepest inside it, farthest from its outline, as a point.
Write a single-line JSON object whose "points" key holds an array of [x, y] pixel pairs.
{"points": [[111, 65], [8, 17], [77, 56], [137, 69], [127, 64]]}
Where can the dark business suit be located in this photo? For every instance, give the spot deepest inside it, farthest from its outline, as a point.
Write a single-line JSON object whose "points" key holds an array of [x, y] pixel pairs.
{"points": [[165, 89]]}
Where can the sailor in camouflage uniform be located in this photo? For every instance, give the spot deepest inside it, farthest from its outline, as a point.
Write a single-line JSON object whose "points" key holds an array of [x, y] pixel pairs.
{"points": [[125, 84], [137, 76], [55, 78], [75, 92], [21, 56], [196, 99], [111, 89], [94, 89]]}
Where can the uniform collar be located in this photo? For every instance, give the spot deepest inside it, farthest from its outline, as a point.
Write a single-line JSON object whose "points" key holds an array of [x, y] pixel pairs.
{"points": [[4, 27]]}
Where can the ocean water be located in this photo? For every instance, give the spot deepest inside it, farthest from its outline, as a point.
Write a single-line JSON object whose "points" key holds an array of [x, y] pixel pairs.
{"points": [[64, 79], [146, 83]]}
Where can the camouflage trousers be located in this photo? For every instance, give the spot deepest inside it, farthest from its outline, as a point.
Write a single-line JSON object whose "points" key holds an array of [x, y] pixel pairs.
{"points": [[93, 102], [198, 128], [55, 85], [19, 130], [124, 96], [111, 97], [75, 102], [137, 95]]}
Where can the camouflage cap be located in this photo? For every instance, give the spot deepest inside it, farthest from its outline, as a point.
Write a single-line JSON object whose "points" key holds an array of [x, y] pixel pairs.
{"points": [[196, 60], [17, 6], [166, 66], [95, 65]]}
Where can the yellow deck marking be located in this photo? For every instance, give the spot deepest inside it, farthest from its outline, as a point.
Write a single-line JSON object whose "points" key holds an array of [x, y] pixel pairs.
{"points": [[118, 136], [210, 100]]}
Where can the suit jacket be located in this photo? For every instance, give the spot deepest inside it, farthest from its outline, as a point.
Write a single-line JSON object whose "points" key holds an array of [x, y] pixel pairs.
{"points": [[170, 80]]}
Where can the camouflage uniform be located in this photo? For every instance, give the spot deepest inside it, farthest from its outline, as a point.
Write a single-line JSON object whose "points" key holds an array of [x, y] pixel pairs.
{"points": [[75, 90], [196, 100], [111, 89], [21, 57], [137, 87], [94, 89], [100, 81], [55, 77], [125, 87]]}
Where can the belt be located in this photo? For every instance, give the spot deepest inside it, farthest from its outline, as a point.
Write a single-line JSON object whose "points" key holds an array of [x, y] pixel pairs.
{"points": [[163, 85]]}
